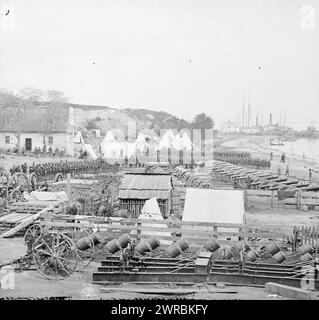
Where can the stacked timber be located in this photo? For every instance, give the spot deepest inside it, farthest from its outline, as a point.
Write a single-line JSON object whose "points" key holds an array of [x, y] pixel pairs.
{"points": [[19, 212], [92, 193]]}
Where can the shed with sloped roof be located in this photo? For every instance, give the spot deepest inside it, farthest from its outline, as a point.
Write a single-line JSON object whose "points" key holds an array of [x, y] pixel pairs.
{"points": [[135, 189]]}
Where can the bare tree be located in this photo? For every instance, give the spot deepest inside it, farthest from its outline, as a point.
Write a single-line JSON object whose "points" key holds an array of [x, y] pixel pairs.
{"points": [[12, 109], [55, 101], [31, 96]]}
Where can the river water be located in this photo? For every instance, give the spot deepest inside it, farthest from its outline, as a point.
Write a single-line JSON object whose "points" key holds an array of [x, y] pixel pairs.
{"points": [[308, 147]]}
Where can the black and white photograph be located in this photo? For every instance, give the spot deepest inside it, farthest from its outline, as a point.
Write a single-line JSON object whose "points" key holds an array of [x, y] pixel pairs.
{"points": [[159, 150]]}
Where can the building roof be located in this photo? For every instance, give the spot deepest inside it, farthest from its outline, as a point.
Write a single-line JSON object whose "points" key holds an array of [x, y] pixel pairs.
{"points": [[34, 119], [143, 194], [143, 186]]}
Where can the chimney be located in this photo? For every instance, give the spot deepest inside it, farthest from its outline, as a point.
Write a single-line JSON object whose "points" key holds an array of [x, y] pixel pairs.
{"points": [[270, 118]]}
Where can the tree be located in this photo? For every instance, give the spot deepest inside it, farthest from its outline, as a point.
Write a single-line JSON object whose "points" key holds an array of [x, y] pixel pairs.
{"points": [[202, 121], [311, 131], [55, 100], [31, 95], [12, 109], [56, 96]]}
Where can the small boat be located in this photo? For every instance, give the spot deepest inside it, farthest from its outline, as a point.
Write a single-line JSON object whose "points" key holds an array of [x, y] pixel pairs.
{"points": [[276, 142]]}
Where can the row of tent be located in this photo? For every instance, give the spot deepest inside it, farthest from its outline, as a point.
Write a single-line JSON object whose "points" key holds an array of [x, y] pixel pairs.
{"points": [[111, 148]]}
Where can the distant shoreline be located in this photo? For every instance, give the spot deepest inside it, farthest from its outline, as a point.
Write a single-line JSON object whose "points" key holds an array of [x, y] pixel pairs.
{"points": [[259, 147]]}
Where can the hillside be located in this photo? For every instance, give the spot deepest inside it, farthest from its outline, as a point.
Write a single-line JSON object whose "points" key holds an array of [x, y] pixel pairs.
{"points": [[105, 118]]}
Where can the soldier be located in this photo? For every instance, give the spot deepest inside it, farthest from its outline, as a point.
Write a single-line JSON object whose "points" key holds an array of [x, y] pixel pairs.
{"points": [[50, 151], [44, 150]]}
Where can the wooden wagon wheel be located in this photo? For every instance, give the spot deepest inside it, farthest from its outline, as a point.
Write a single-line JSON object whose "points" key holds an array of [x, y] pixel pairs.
{"points": [[15, 194], [84, 243], [33, 181], [55, 256], [35, 230], [58, 177], [19, 181]]}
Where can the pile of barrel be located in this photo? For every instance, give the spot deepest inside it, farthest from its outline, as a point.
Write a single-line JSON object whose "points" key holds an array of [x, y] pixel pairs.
{"points": [[270, 253], [240, 251]]}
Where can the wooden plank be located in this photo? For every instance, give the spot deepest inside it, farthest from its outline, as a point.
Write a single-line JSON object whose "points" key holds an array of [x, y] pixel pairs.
{"points": [[8, 216], [24, 223], [18, 217], [157, 291], [287, 291], [259, 193], [134, 221], [193, 231]]}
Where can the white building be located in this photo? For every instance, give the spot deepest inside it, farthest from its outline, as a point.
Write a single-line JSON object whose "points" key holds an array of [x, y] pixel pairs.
{"points": [[36, 126]]}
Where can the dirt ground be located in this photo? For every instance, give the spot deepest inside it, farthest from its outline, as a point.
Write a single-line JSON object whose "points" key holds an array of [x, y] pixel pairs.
{"points": [[281, 220], [33, 285]]}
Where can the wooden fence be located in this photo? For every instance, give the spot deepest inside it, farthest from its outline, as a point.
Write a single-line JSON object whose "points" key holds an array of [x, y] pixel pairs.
{"points": [[196, 234], [269, 199], [305, 234]]}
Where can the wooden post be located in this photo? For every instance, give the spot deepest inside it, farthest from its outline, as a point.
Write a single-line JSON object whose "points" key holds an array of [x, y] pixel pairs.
{"points": [[298, 200], [68, 186], [215, 228], [138, 231], [272, 204], [316, 243], [245, 199]]}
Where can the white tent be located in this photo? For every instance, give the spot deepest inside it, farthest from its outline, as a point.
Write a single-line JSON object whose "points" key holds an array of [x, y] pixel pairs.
{"points": [[177, 142], [108, 142], [78, 138], [112, 150], [151, 208], [151, 212], [165, 142], [109, 137], [128, 149], [186, 142], [213, 205], [89, 149], [115, 150], [141, 143], [170, 135]]}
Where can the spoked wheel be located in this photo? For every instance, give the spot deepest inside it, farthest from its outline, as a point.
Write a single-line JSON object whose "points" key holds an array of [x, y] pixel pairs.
{"points": [[35, 230], [33, 181], [84, 244], [58, 177], [15, 194], [55, 256], [18, 182]]}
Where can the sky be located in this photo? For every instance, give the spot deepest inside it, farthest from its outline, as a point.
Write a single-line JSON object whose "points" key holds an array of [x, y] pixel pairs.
{"points": [[179, 56]]}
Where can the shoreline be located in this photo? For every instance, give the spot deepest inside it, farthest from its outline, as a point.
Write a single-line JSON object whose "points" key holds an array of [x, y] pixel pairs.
{"points": [[259, 147]]}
